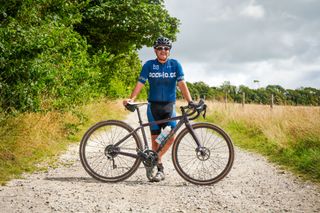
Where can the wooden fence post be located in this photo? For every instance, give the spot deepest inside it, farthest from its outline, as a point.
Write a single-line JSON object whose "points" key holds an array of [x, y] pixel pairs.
{"points": [[226, 99], [243, 98], [272, 100]]}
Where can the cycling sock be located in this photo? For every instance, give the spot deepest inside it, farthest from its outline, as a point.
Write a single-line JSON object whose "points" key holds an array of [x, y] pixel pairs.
{"points": [[160, 167]]}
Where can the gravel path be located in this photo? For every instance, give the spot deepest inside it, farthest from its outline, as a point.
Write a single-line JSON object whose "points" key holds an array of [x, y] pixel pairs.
{"points": [[253, 185]]}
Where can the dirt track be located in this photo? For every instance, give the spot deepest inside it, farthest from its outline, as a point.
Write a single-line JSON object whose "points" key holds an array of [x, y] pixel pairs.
{"points": [[253, 185]]}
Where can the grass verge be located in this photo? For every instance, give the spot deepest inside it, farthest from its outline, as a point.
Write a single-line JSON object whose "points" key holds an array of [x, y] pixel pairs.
{"points": [[286, 135], [30, 138]]}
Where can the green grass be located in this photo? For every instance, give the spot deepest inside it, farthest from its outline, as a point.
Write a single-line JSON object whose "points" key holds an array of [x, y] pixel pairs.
{"points": [[26, 140], [300, 153]]}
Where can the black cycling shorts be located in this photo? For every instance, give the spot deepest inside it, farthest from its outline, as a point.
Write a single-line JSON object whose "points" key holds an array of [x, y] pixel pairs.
{"points": [[159, 111]]}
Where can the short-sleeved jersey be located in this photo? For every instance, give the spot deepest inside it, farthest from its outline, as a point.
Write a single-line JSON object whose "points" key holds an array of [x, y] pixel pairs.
{"points": [[162, 78]]}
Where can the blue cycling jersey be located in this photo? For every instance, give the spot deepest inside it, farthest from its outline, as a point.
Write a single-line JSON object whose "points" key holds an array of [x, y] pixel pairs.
{"points": [[162, 78]]}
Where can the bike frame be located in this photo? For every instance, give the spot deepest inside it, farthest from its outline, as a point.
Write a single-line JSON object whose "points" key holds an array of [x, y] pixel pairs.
{"points": [[183, 119]]}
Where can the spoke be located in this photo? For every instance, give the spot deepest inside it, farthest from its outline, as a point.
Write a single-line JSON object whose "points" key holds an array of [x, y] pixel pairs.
{"points": [[103, 139], [208, 167], [184, 160], [96, 139], [218, 141], [196, 168], [183, 149], [105, 134], [96, 165], [219, 147], [95, 157], [204, 136], [211, 135], [107, 171], [187, 160], [116, 133], [191, 165], [111, 134], [127, 143], [204, 171], [189, 142], [95, 146], [111, 167], [125, 162], [218, 163], [186, 155], [93, 152], [132, 147]]}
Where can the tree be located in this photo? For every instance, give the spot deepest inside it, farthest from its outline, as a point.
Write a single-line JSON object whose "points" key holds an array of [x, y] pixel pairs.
{"points": [[60, 53], [306, 96], [193, 91], [278, 92], [42, 58], [119, 25], [204, 91]]}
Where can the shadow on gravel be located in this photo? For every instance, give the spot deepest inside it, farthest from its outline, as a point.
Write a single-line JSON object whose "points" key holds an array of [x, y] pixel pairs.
{"points": [[127, 183], [73, 179], [162, 184]]}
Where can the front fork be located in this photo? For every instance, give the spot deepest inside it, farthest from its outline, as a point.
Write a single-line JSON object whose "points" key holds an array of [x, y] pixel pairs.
{"points": [[193, 134], [202, 152]]}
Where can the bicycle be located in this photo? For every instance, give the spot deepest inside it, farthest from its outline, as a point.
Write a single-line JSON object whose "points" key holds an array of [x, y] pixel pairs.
{"points": [[202, 153]]}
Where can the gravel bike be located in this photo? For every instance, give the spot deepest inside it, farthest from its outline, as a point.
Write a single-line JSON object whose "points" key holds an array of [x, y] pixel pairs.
{"points": [[202, 153]]}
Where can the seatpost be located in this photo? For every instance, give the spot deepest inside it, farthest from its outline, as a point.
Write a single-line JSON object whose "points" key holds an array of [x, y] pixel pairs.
{"points": [[142, 129], [139, 115]]}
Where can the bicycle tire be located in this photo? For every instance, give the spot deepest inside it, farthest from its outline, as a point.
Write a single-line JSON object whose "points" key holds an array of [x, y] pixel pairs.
{"points": [[218, 151], [102, 166]]}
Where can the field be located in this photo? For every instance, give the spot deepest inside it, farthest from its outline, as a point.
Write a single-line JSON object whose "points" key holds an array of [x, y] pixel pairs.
{"points": [[287, 135], [29, 139]]}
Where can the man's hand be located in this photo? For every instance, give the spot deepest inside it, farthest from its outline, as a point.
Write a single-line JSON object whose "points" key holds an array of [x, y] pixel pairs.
{"points": [[128, 106], [125, 102], [191, 105]]}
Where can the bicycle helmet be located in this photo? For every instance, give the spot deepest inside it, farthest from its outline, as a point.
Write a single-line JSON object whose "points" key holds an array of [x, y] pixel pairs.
{"points": [[162, 41]]}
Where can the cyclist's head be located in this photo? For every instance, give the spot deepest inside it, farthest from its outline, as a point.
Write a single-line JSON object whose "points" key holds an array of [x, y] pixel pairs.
{"points": [[162, 41]]}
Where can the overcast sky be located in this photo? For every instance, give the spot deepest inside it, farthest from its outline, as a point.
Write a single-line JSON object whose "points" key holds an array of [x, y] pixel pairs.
{"points": [[276, 42]]}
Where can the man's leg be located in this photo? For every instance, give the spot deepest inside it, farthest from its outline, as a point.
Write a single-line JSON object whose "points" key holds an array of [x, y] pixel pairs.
{"points": [[159, 112], [155, 146], [160, 174]]}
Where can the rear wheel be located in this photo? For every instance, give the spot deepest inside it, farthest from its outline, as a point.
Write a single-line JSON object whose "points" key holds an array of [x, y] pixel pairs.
{"points": [[101, 158], [208, 163]]}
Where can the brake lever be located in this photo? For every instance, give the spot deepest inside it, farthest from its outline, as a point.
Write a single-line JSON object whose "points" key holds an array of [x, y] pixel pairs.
{"points": [[204, 111]]}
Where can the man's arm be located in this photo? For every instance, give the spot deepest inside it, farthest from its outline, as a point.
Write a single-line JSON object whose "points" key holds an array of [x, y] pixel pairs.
{"points": [[185, 91], [136, 90], [134, 93]]}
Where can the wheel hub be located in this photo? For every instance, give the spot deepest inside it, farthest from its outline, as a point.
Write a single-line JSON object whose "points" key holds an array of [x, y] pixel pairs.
{"points": [[203, 153], [111, 151]]}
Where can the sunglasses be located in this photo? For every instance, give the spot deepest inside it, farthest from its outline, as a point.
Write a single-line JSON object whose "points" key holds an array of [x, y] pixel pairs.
{"points": [[162, 48]]}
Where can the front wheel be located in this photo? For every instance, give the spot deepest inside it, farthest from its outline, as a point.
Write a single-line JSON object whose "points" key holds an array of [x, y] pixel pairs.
{"points": [[104, 160], [208, 163]]}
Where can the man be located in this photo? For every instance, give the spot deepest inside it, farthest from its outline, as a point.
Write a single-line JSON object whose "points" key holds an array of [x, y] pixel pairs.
{"points": [[163, 75]]}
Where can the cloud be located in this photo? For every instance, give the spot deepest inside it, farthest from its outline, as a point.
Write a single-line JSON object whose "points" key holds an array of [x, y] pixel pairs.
{"points": [[276, 42], [253, 10]]}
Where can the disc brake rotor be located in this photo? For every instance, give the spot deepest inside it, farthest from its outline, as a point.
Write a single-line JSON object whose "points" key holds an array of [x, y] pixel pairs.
{"points": [[203, 153]]}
